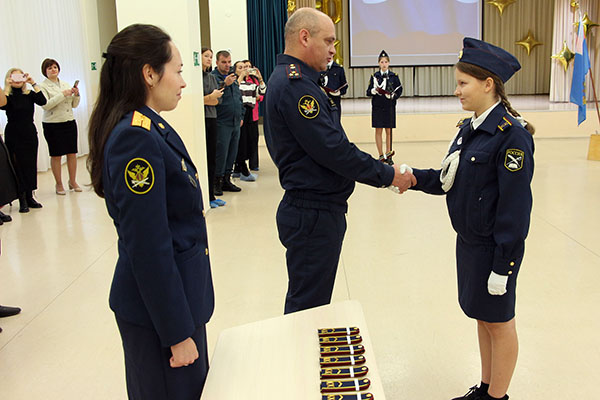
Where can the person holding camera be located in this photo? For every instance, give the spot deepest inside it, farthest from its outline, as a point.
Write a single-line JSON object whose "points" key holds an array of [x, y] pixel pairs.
{"points": [[229, 120], [20, 133], [253, 89], [60, 128]]}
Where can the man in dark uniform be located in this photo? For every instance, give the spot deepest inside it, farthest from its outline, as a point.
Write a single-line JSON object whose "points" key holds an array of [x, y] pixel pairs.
{"points": [[333, 80], [317, 163]]}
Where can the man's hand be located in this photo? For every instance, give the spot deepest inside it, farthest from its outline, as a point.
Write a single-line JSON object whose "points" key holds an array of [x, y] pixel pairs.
{"points": [[184, 353], [230, 79]]}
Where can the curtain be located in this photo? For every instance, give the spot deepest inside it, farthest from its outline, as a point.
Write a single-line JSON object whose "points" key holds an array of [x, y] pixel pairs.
{"points": [[564, 30], [266, 22], [46, 30]]}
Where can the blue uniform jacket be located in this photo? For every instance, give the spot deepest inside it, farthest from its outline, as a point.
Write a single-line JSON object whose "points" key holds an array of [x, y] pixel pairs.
{"points": [[393, 85], [490, 201], [336, 78], [307, 142], [162, 278], [230, 110]]}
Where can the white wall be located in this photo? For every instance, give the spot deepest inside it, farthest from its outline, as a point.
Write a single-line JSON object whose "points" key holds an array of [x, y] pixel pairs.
{"points": [[229, 27], [181, 20]]}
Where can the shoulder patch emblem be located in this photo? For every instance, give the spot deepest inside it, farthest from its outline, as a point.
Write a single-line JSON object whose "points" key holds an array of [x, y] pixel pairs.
{"points": [[308, 107], [139, 176], [293, 71], [513, 161], [504, 124], [140, 119]]}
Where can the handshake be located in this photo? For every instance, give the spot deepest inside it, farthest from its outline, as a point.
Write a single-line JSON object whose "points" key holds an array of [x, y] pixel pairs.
{"points": [[403, 179]]}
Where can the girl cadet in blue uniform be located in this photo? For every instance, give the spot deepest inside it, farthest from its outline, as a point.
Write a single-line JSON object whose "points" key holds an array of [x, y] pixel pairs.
{"points": [[162, 292], [384, 88], [486, 178]]}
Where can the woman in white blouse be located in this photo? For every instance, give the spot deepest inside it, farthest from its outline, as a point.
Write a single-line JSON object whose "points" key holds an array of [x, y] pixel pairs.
{"points": [[60, 128]]}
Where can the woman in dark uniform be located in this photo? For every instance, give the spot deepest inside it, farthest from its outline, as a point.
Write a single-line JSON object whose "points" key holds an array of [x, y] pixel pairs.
{"points": [[8, 180], [162, 291], [384, 88], [486, 178], [20, 133]]}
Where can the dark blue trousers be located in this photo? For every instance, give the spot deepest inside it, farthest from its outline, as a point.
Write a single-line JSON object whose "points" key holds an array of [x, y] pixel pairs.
{"points": [[313, 241], [148, 373]]}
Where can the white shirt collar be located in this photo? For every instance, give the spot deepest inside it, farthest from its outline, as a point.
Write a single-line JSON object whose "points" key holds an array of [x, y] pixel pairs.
{"points": [[329, 64], [475, 122]]}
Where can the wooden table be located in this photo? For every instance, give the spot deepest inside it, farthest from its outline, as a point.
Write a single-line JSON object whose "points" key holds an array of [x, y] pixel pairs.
{"points": [[278, 358]]}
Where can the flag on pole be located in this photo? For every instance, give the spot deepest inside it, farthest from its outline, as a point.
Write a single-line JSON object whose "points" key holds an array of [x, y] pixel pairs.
{"points": [[581, 66]]}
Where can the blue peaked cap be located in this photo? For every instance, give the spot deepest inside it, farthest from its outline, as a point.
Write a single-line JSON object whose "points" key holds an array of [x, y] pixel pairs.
{"points": [[489, 57]]}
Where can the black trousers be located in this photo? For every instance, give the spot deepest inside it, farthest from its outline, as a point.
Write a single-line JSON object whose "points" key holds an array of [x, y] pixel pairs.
{"points": [[211, 153], [313, 241], [248, 147], [148, 373]]}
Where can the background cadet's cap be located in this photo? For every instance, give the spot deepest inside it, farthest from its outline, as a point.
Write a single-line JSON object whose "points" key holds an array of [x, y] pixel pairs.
{"points": [[383, 54], [490, 57]]}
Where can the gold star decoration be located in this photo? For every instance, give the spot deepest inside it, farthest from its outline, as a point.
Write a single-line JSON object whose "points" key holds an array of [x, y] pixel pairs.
{"points": [[528, 42], [291, 7], [565, 55], [501, 4], [575, 5], [587, 24]]}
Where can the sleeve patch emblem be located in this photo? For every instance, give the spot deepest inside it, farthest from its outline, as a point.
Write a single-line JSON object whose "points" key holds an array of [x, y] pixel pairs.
{"points": [[139, 176], [308, 107], [513, 161]]}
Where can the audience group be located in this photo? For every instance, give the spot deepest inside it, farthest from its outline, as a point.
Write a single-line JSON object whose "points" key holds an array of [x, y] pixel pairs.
{"points": [[231, 99]]}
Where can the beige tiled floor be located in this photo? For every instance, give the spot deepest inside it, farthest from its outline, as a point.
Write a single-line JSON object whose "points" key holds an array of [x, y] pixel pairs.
{"points": [[397, 260]]}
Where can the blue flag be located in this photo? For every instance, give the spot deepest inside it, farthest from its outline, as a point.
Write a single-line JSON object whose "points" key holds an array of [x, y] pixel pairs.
{"points": [[581, 66]]}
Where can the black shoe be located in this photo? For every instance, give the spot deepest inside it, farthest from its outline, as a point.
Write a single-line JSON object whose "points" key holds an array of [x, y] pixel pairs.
{"points": [[218, 186], [31, 201], [6, 311], [4, 218], [228, 186], [23, 208], [474, 393]]}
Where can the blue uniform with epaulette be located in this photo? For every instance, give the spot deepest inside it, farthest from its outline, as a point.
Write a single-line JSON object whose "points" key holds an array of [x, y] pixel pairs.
{"points": [[334, 78], [489, 205], [162, 291], [318, 166], [383, 110]]}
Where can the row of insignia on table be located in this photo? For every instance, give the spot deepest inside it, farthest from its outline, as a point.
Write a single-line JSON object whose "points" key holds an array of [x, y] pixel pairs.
{"points": [[343, 365]]}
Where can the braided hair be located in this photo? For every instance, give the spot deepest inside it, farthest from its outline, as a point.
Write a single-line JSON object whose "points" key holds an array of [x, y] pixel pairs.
{"points": [[482, 74]]}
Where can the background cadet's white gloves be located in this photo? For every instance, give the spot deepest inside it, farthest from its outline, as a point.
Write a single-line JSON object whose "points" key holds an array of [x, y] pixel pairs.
{"points": [[336, 93], [497, 284], [389, 96], [374, 91]]}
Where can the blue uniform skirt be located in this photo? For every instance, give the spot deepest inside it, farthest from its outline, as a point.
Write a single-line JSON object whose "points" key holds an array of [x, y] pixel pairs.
{"points": [[473, 267]]}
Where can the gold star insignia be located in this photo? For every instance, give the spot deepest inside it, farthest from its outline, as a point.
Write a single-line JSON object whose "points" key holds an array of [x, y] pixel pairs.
{"points": [[587, 25], [528, 42], [565, 55], [501, 4], [161, 126], [575, 5]]}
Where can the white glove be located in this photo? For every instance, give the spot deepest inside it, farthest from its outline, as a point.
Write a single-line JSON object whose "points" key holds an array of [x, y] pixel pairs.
{"points": [[389, 96], [374, 92], [497, 284], [336, 93], [404, 168]]}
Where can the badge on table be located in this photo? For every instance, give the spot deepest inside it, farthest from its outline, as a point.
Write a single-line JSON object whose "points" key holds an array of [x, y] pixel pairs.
{"points": [[350, 385], [335, 340], [514, 159], [349, 331], [308, 107], [139, 176], [341, 361], [342, 350], [337, 373]]}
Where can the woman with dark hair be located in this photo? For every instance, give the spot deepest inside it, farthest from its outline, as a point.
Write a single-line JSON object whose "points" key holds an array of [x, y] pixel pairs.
{"points": [[486, 177], [162, 292], [60, 128], [21, 134], [212, 97]]}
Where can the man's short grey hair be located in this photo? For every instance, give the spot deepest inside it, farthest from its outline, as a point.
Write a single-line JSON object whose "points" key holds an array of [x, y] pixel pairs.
{"points": [[304, 18]]}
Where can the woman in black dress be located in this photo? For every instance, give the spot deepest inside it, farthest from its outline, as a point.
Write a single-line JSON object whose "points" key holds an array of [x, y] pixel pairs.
{"points": [[20, 133]]}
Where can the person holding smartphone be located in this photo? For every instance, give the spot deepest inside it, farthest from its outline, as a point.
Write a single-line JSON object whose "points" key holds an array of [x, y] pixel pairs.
{"points": [[60, 128], [162, 290], [20, 133]]}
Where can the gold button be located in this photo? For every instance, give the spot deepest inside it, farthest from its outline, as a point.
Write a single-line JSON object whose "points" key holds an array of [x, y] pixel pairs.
{"points": [[512, 263], [510, 272], [473, 159], [206, 251]]}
